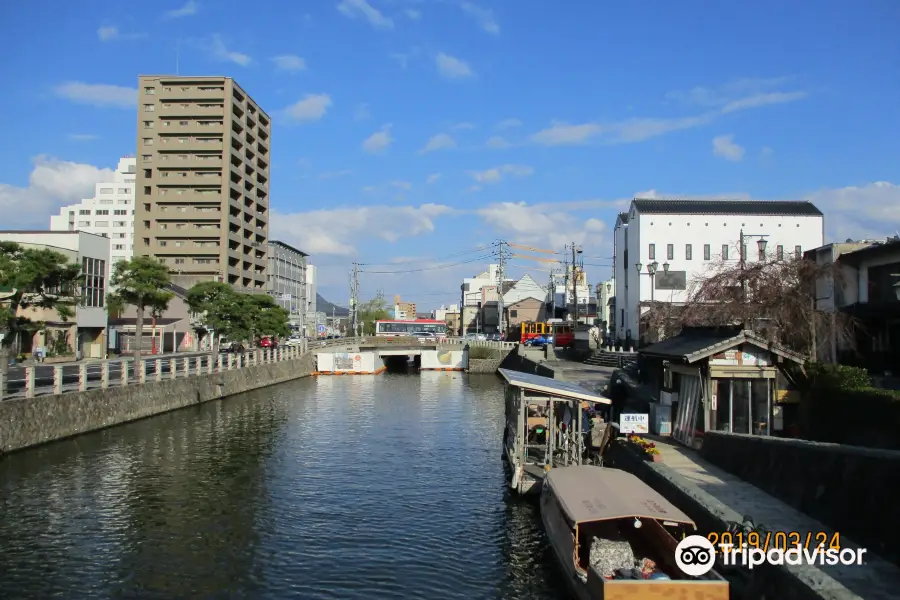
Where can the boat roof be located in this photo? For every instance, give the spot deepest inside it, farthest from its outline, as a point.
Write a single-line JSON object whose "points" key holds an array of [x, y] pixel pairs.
{"points": [[587, 493], [552, 387]]}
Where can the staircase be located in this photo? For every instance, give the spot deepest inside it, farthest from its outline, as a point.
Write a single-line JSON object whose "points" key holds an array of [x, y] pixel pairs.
{"points": [[604, 358]]}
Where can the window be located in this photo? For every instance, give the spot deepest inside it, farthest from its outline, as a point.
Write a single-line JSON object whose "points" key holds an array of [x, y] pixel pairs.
{"points": [[106, 201], [146, 157], [106, 190], [148, 173], [124, 190], [149, 124], [513, 313], [84, 212], [670, 251], [119, 236], [93, 283], [149, 108], [724, 251], [707, 252], [148, 141], [120, 212], [798, 252], [119, 224], [101, 223], [652, 252], [688, 252], [779, 252], [84, 223], [118, 246], [179, 261], [150, 91], [126, 202]]}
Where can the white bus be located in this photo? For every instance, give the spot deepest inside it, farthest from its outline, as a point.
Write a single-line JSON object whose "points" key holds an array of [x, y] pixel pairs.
{"points": [[405, 328]]}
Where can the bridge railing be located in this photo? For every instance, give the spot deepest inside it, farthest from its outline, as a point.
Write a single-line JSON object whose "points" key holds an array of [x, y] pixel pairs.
{"points": [[40, 380], [405, 341]]}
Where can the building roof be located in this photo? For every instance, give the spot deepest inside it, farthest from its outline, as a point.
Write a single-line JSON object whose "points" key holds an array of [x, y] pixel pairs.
{"points": [[551, 387], [674, 206], [854, 256], [287, 247], [697, 343], [587, 493], [622, 218]]}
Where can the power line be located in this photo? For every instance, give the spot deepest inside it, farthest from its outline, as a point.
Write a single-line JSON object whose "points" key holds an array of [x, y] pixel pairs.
{"points": [[444, 266], [454, 255]]}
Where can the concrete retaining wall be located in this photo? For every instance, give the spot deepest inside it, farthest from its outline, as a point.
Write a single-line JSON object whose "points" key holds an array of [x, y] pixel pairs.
{"points": [[848, 488], [520, 360], [28, 422], [484, 365]]}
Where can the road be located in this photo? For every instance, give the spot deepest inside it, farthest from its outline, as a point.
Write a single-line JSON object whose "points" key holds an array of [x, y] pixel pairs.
{"points": [[44, 373]]}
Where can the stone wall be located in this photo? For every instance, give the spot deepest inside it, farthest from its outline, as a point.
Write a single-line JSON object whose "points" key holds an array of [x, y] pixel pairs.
{"points": [[848, 488], [518, 361], [484, 365], [26, 422]]}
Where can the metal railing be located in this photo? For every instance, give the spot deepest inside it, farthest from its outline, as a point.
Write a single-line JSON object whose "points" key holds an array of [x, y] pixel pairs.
{"points": [[40, 380]]}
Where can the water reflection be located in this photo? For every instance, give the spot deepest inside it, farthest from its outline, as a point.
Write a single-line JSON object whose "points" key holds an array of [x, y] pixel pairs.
{"points": [[387, 486]]}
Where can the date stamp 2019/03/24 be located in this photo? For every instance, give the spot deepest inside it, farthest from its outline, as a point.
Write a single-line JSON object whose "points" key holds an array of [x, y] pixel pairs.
{"points": [[780, 540]]}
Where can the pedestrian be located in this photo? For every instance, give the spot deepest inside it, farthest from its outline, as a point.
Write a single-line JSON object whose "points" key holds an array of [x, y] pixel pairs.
{"points": [[38, 354]]}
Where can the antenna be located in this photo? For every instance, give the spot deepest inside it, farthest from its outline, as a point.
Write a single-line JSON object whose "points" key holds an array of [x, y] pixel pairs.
{"points": [[177, 56]]}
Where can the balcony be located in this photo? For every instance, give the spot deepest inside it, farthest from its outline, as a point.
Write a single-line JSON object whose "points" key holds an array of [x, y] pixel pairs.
{"points": [[190, 109], [178, 92]]}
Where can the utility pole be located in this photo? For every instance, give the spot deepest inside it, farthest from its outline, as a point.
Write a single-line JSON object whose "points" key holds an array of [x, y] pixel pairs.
{"points": [[552, 289], [354, 300], [500, 327], [575, 284], [566, 282]]}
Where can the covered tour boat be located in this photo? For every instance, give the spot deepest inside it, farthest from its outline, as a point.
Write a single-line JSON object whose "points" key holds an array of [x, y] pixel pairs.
{"points": [[549, 424], [615, 537]]}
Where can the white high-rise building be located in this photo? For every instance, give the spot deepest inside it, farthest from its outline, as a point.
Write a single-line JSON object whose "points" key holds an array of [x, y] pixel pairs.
{"points": [[109, 213]]}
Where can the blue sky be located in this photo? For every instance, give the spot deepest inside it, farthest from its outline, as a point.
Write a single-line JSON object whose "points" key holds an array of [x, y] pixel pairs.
{"points": [[408, 131]]}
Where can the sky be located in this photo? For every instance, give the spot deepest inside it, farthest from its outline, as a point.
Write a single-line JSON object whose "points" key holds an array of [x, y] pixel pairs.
{"points": [[413, 135]]}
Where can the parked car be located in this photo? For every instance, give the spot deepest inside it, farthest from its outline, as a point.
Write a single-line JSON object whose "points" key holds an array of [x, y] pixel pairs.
{"points": [[424, 336], [231, 347], [480, 337], [268, 342], [293, 341]]}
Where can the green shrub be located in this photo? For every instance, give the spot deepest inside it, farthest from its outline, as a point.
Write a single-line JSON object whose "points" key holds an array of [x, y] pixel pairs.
{"points": [[838, 376], [482, 352]]}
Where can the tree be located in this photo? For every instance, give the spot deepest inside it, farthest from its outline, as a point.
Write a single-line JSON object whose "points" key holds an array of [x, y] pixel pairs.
{"points": [[266, 317], [371, 311], [32, 278], [140, 282], [221, 308]]}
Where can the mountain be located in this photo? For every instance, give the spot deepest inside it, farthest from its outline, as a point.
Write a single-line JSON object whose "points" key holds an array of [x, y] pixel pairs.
{"points": [[323, 305]]}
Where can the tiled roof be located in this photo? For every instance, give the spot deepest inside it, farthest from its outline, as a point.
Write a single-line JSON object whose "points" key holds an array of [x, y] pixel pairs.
{"points": [[726, 207], [696, 343]]}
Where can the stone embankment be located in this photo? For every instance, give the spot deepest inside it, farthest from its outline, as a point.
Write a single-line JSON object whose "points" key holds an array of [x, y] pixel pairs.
{"points": [[26, 422]]}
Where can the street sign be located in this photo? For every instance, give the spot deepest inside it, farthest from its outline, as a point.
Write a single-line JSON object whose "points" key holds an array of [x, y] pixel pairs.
{"points": [[286, 297], [320, 329]]}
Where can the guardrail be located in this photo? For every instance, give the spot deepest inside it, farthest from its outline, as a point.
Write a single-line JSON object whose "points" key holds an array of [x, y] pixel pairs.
{"points": [[405, 341], [42, 380]]}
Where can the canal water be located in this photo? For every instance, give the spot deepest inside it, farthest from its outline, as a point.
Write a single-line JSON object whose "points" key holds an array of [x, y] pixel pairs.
{"points": [[324, 488]]}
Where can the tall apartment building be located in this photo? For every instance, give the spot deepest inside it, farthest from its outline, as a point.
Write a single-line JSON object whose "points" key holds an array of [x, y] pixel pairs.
{"points": [[110, 213], [202, 190]]}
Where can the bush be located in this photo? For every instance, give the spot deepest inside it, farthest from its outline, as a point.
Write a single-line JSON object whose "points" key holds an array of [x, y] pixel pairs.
{"points": [[838, 376], [482, 352]]}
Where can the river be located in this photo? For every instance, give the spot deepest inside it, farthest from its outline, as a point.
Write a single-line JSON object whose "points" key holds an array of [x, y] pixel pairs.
{"points": [[350, 487]]}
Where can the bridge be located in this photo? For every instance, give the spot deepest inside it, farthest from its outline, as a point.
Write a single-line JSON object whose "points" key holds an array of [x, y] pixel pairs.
{"points": [[369, 355]]}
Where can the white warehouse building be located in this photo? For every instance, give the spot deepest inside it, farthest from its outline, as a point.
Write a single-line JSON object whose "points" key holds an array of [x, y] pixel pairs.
{"points": [[685, 238], [110, 213]]}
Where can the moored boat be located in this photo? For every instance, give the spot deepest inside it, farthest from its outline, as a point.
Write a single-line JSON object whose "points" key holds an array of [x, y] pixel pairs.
{"points": [[615, 537]]}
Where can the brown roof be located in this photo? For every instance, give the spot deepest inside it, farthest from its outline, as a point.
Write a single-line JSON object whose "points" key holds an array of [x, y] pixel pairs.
{"points": [[587, 493]]}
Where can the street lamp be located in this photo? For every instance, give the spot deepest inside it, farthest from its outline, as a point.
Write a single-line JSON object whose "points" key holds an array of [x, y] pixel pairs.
{"points": [[666, 267], [651, 271]]}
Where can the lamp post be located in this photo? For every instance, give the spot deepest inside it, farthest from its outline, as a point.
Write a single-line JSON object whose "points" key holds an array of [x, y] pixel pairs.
{"points": [[761, 245], [651, 271]]}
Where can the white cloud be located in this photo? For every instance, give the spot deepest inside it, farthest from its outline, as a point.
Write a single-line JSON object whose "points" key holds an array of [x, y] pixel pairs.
{"points": [[109, 33], [220, 51], [335, 174], [452, 67], [542, 225], [361, 113], [483, 16], [441, 141], [725, 147], [402, 185], [498, 173], [562, 134], [433, 178], [737, 96], [413, 14], [464, 126], [360, 8], [378, 141], [336, 231], [311, 107], [98, 94], [289, 62], [52, 184], [508, 124], [497, 143], [187, 10], [867, 211], [82, 137]]}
